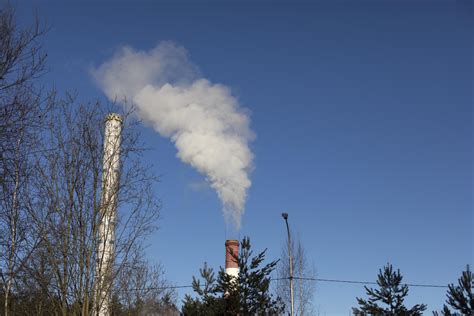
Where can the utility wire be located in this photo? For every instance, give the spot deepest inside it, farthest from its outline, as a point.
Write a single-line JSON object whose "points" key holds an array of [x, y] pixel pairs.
{"points": [[367, 282], [301, 278]]}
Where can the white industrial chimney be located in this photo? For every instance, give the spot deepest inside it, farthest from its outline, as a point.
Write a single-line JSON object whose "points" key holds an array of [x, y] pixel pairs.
{"points": [[108, 209], [231, 252]]}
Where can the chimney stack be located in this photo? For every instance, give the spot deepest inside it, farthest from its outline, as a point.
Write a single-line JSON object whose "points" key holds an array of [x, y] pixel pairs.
{"points": [[231, 265], [108, 209]]}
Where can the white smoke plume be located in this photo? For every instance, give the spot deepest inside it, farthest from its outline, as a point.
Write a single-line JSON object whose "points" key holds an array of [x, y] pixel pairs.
{"points": [[205, 122]]}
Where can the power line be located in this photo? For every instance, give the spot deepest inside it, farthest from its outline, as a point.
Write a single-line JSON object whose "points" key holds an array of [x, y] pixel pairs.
{"points": [[369, 282], [302, 278]]}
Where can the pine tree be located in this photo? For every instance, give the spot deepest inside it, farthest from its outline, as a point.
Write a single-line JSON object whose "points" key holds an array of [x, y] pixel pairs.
{"points": [[224, 295], [460, 297], [391, 295], [207, 302]]}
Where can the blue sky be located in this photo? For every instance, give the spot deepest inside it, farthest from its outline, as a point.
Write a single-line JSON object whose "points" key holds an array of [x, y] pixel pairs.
{"points": [[363, 119]]}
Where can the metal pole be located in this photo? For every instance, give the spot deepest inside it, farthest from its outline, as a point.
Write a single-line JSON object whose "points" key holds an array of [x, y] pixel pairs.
{"points": [[290, 259]]}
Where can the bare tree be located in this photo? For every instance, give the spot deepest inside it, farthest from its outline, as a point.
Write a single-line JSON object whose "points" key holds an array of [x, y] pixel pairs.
{"points": [[68, 205], [22, 111], [142, 289], [304, 274], [51, 202]]}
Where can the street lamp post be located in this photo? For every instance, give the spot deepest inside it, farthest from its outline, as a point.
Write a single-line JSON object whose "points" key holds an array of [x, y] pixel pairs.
{"points": [[290, 259]]}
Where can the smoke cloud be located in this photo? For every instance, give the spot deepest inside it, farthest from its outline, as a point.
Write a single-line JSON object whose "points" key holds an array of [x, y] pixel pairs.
{"points": [[205, 122]]}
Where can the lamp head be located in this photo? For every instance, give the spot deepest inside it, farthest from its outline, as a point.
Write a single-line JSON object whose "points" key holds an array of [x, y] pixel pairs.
{"points": [[284, 215]]}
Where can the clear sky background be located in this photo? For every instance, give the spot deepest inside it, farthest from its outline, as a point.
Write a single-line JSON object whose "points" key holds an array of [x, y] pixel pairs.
{"points": [[363, 116]]}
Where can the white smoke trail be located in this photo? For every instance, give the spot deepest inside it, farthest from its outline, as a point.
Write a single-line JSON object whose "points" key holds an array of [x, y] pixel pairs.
{"points": [[205, 122]]}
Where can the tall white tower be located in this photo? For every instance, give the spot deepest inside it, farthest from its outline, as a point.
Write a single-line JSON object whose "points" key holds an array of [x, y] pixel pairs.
{"points": [[108, 210]]}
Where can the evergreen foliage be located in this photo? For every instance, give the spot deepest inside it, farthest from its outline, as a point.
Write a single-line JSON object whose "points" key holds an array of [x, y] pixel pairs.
{"points": [[224, 295], [460, 297], [390, 295]]}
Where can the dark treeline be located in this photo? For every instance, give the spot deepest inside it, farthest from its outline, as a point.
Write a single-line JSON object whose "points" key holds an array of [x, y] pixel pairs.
{"points": [[388, 299], [221, 294]]}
